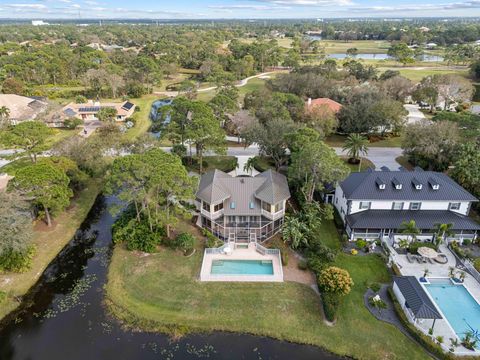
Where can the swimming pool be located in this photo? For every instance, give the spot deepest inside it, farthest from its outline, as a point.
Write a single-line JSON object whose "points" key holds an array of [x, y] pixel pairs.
{"points": [[459, 307], [242, 267]]}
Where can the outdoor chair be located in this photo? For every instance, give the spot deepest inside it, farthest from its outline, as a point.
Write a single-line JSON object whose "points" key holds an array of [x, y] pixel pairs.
{"points": [[430, 261], [409, 258]]}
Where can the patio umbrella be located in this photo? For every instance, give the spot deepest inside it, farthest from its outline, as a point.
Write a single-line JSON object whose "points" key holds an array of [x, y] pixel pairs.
{"points": [[427, 252]]}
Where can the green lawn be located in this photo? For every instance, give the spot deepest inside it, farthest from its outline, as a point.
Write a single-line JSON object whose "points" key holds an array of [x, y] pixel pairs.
{"points": [[142, 117], [366, 164], [223, 163], [417, 74], [337, 140], [363, 46], [48, 245], [161, 292]]}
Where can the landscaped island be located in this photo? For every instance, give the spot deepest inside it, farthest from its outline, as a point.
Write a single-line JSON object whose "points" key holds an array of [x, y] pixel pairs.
{"points": [[161, 292]]}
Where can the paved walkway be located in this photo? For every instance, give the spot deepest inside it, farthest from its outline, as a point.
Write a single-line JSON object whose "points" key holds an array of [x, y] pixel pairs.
{"points": [[414, 113]]}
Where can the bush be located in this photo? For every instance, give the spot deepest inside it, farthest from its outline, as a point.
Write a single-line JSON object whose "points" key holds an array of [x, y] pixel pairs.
{"points": [[413, 247], [72, 123], [476, 264], [80, 99], [315, 263], [331, 302], [374, 286], [3, 297], [284, 255], [184, 241], [302, 265], [466, 242], [136, 235], [361, 244], [17, 261], [179, 150]]}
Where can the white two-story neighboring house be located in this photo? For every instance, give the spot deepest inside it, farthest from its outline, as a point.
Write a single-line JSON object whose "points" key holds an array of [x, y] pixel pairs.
{"points": [[374, 204], [242, 209]]}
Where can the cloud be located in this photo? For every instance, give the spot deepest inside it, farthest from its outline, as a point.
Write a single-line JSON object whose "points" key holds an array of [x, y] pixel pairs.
{"points": [[473, 4], [317, 3], [248, 7], [27, 6]]}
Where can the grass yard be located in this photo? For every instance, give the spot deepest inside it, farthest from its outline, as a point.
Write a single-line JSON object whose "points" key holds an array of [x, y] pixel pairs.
{"points": [[337, 140], [142, 117], [366, 164], [223, 163], [48, 245], [417, 74], [161, 292], [363, 46]]}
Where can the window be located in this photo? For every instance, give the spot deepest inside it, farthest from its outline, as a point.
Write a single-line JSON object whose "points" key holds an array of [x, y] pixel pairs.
{"points": [[454, 206], [415, 205], [206, 206], [278, 207], [397, 206], [266, 207], [364, 205], [232, 205], [218, 207], [251, 205]]}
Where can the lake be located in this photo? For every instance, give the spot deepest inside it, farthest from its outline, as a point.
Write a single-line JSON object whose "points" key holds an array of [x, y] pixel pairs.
{"points": [[63, 317]]}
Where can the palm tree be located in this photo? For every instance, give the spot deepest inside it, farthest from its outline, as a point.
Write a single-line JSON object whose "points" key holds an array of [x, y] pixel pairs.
{"points": [[4, 115], [250, 164], [443, 231], [410, 228], [294, 232], [356, 145]]}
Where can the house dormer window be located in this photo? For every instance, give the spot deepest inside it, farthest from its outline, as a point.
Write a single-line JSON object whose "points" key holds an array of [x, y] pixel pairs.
{"points": [[415, 205], [380, 183], [454, 206], [434, 184], [417, 184], [397, 184]]}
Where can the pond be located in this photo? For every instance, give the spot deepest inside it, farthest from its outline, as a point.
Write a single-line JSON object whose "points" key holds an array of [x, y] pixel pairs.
{"points": [[63, 317], [341, 56]]}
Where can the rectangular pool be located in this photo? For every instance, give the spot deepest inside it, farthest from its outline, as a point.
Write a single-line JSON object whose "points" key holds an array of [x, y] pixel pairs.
{"points": [[459, 307], [242, 267]]}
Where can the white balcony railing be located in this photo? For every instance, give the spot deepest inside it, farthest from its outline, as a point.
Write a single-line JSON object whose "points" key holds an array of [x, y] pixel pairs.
{"points": [[273, 216]]}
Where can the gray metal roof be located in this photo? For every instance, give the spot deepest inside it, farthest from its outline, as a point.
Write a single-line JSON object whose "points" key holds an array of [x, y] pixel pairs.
{"points": [[364, 186], [242, 195], [424, 219], [416, 298]]}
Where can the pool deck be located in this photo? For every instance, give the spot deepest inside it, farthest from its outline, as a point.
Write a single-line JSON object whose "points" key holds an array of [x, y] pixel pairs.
{"points": [[242, 254], [442, 327]]}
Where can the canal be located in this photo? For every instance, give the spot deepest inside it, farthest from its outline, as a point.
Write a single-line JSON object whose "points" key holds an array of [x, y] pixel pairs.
{"points": [[64, 317]]}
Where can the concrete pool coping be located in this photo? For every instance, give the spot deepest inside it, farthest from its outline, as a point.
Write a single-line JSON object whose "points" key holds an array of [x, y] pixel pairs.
{"points": [[241, 254]]}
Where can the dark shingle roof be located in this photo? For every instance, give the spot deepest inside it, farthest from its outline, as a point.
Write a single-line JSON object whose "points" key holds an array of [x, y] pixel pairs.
{"points": [[364, 186], [245, 192], [424, 219], [416, 298]]}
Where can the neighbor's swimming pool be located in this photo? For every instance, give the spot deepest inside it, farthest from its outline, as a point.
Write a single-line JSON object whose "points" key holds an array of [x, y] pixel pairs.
{"points": [[456, 303], [242, 267]]}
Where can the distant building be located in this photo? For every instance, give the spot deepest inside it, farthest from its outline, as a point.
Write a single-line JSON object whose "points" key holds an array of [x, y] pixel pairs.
{"points": [[424, 29], [88, 111], [431, 45], [39, 23], [334, 106], [22, 108]]}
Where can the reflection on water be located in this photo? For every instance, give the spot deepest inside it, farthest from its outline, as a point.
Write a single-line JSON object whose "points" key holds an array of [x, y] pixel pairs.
{"points": [[63, 317]]}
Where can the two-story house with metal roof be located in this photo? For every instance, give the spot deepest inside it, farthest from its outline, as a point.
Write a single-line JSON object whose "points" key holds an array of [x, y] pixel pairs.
{"points": [[374, 204], [242, 209]]}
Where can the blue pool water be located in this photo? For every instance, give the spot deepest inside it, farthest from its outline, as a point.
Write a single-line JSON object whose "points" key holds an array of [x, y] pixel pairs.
{"points": [[458, 306], [242, 267]]}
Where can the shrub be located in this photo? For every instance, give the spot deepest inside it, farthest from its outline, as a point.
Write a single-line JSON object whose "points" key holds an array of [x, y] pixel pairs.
{"points": [[184, 241], [335, 280], [413, 247], [179, 150], [374, 286], [302, 265], [3, 297], [80, 99], [136, 234], [315, 263], [361, 244], [331, 302], [284, 255], [354, 252], [476, 264], [466, 242], [17, 261]]}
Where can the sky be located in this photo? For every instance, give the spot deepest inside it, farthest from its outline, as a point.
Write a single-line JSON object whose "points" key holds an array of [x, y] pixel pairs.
{"points": [[239, 9]]}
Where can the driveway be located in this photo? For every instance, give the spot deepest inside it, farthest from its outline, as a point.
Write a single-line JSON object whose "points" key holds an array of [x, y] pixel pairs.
{"points": [[414, 113], [380, 156]]}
